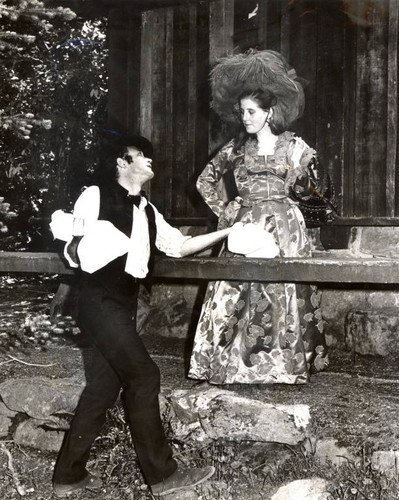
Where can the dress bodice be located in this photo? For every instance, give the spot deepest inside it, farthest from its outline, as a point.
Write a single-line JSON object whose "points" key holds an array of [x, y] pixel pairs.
{"points": [[259, 178]]}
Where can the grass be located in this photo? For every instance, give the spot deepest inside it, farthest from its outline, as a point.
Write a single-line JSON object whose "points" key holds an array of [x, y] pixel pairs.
{"points": [[246, 470]]}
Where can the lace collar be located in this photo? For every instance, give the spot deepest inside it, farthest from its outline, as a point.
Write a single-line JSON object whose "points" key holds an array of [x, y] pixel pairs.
{"points": [[280, 149]]}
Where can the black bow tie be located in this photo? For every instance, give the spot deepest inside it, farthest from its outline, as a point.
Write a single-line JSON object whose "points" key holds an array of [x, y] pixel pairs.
{"points": [[135, 199]]}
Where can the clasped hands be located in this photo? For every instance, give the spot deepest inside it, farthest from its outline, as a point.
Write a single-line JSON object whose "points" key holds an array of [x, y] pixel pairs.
{"points": [[252, 241]]}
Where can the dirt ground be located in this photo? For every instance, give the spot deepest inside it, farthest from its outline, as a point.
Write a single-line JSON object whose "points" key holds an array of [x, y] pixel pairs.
{"points": [[355, 402]]}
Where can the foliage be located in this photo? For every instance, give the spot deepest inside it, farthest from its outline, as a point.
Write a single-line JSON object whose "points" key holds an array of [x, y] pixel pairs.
{"points": [[52, 97], [22, 25], [244, 470]]}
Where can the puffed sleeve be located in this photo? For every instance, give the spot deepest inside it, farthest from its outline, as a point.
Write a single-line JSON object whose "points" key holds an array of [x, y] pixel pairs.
{"points": [[86, 210], [64, 225], [299, 159], [314, 175], [207, 182], [169, 239], [313, 189]]}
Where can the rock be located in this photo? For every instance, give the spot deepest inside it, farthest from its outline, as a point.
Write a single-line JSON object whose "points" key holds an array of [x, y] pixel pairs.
{"points": [[143, 310], [172, 310], [304, 489], [41, 397], [5, 425], [328, 450], [32, 433], [386, 462], [182, 495], [212, 413], [377, 241], [5, 411], [336, 303], [374, 332], [269, 454]]}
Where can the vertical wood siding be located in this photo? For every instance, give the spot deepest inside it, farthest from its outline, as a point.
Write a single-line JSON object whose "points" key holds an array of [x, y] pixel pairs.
{"points": [[329, 92], [392, 179], [371, 115], [174, 102], [346, 49]]}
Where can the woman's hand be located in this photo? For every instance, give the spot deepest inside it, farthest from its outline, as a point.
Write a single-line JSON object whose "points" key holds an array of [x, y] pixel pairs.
{"points": [[293, 176], [297, 171], [229, 214], [295, 151]]}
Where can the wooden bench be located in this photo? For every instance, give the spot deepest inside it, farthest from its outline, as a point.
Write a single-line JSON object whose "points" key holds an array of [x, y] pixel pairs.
{"points": [[324, 267]]}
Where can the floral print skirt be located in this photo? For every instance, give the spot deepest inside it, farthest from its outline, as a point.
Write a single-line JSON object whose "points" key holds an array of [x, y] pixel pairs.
{"points": [[258, 333], [262, 333]]}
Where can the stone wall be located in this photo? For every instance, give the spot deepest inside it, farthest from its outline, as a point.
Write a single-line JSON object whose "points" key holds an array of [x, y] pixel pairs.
{"points": [[175, 307], [378, 306]]}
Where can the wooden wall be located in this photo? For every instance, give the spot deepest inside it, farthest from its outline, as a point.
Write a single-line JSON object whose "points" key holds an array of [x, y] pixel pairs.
{"points": [[347, 50]]}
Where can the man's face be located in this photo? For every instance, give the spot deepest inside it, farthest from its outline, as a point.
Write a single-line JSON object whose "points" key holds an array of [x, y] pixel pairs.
{"points": [[137, 165]]}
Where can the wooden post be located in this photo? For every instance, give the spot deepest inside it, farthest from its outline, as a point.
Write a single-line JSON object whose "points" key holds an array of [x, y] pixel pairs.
{"points": [[392, 191]]}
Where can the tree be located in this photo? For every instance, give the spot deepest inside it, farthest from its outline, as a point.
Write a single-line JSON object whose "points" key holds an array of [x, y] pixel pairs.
{"points": [[21, 22], [53, 90]]}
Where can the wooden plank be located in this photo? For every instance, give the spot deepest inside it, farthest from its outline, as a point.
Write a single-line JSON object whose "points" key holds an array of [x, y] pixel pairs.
{"points": [[313, 270], [303, 31], [348, 138], [371, 109], [323, 268], [33, 262], [132, 103], [196, 205], [192, 111], [246, 24], [274, 18], [365, 221], [329, 89], [146, 75], [263, 28], [118, 36], [285, 34], [141, 4], [392, 190], [169, 113], [160, 194], [181, 108], [146, 65], [221, 29]]}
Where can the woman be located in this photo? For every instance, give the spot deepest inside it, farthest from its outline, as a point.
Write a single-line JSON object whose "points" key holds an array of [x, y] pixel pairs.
{"points": [[261, 332]]}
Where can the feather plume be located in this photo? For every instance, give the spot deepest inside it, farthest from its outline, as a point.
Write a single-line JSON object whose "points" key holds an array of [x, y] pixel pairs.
{"points": [[252, 70]]}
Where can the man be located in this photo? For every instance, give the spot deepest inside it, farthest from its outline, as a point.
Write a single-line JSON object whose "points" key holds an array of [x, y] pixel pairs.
{"points": [[107, 308]]}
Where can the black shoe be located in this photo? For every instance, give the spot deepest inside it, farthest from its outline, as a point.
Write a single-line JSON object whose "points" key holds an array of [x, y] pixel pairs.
{"points": [[64, 490], [182, 479]]}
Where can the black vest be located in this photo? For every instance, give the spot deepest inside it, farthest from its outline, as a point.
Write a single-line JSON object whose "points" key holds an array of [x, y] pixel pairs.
{"points": [[116, 206]]}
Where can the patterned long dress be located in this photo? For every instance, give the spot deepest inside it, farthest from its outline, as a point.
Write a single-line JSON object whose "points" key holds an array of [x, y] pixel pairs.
{"points": [[258, 332]]}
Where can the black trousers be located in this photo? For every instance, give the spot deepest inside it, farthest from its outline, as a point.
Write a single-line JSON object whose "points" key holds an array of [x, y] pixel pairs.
{"points": [[120, 361]]}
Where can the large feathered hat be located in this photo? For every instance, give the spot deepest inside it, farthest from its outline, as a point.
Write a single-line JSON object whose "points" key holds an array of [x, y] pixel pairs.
{"points": [[265, 70]]}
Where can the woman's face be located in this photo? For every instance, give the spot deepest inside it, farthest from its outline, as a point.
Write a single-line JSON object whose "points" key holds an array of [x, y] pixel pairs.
{"points": [[252, 115]]}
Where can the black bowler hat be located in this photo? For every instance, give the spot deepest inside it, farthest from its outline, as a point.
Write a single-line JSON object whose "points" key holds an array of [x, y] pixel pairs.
{"points": [[116, 139]]}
